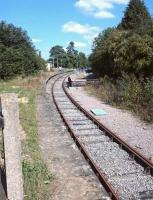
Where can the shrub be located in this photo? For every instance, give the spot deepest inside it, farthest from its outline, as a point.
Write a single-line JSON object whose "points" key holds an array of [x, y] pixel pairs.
{"points": [[128, 92]]}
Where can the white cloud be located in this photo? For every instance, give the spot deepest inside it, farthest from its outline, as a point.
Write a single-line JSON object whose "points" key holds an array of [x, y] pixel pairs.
{"points": [[104, 14], [79, 28], [79, 44], [35, 40], [87, 31], [99, 8], [119, 1], [84, 5]]}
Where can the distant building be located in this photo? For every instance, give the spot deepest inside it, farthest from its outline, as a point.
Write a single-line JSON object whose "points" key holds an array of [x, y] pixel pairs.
{"points": [[49, 66]]}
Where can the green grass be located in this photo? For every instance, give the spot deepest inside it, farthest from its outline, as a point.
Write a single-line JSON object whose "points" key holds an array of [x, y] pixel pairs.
{"points": [[35, 173]]}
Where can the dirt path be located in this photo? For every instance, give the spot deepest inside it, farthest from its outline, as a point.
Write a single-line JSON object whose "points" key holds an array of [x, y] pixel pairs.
{"points": [[74, 179]]}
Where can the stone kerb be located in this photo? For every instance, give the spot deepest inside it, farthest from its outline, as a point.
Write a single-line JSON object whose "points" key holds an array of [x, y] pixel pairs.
{"points": [[12, 146]]}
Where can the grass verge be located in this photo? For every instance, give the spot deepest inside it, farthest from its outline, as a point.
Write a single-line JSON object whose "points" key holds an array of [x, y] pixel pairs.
{"points": [[35, 173]]}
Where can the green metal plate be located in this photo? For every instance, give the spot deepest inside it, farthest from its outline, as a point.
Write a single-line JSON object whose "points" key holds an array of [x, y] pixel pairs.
{"points": [[98, 112]]}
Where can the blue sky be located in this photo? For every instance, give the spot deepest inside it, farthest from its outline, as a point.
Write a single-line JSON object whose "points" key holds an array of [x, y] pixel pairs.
{"points": [[52, 22]]}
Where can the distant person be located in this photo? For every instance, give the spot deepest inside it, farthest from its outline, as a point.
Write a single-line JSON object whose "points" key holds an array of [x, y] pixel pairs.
{"points": [[69, 82]]}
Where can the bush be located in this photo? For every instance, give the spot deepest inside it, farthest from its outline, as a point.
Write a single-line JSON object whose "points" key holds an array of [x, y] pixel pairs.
{"points": [[128, 92]]}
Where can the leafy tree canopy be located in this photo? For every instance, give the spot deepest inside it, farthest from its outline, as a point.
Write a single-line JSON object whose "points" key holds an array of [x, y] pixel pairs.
{"points": [[82, 60], [17, 54], [136, 17], [127, 48], [122, 51], [71, 48], [68, 59], [58, 56]]}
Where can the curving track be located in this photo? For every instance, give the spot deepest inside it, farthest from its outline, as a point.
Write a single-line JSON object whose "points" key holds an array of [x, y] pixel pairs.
{"points": [[124, 172]]}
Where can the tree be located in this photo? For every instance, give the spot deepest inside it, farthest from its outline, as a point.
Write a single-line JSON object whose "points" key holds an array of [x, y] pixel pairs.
{"points": [[99, 60], [58, 54], [127, 48], [72, 55], [71, 48], [136, 17], [123, 51], [82, 60], [70, 58], [17, 53], [130, 53]]}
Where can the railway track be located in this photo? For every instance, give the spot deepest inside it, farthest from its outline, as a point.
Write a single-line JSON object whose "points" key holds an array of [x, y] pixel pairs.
{"points": [[125, 173]]}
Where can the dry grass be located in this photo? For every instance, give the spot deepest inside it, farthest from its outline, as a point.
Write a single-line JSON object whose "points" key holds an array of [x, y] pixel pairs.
{"points": [[35, 171], [129, 93]]}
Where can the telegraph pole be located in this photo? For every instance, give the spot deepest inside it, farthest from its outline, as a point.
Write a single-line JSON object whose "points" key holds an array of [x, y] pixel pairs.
{"points": [[61, 62], [53, 62], [57, 61]]}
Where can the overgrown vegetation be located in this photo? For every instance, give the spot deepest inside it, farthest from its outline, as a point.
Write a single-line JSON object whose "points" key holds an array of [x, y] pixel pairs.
{"points": [[36, 175], [128, 92], [125, 56], [17, 53]]}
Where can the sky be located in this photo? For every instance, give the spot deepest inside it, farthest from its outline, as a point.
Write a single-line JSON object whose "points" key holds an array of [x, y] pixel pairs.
{"points": [[57, 22]]}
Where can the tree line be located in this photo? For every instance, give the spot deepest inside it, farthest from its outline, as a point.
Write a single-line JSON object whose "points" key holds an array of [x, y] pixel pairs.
{"points": [[127, 48], [18, 56], [69, 58]]}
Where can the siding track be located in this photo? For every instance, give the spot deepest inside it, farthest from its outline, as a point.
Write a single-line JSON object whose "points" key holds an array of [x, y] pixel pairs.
{"points": [[124, 172]]}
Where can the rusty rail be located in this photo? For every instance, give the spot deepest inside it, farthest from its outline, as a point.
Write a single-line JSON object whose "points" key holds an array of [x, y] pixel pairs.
{"points": [[146, 163], [100, 175]]}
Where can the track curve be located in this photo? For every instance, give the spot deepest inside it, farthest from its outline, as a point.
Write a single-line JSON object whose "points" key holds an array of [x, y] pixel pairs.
{"points": [[109, 156]]}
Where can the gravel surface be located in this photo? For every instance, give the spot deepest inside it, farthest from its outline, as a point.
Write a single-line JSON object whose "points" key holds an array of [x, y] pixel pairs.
{"points": [[74, 178], [125, 124], [113, 162], [130, 184]]}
